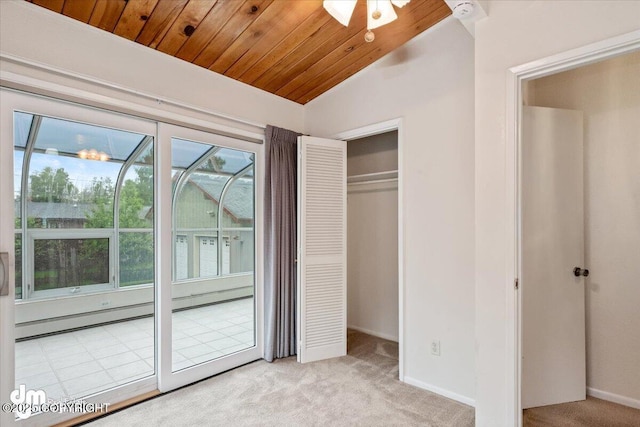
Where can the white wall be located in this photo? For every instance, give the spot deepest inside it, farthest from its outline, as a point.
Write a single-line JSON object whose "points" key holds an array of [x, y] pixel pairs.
{"points": [[37, 34], [429, 83], [515, 33], [372, 259], [375, 153], [372, 238], [609, 95]]}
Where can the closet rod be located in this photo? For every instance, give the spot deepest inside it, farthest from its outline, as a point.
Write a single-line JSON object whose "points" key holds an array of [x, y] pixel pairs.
{"points": [[373, 181], [374, 174]]}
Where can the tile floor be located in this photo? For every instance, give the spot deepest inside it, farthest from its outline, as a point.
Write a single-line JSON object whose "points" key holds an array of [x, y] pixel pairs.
{"points": [[84, 362]]}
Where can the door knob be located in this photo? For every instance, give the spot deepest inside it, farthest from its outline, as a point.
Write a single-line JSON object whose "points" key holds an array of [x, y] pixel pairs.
{"points": [[580, 272]]}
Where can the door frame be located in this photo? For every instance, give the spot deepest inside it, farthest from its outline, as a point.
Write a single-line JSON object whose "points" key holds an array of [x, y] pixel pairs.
{"points": [[376, 129], [516, 76]]}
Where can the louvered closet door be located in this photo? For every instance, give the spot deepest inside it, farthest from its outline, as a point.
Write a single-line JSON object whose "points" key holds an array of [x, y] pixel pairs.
{"points": [[322, 249]]}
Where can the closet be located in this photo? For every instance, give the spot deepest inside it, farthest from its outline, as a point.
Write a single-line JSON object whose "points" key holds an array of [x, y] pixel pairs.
{"points": [[372, 235]]}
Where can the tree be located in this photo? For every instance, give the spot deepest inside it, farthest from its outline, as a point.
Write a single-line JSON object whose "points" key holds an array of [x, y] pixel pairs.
{"points": [[131, 204], [144, 184], [100, 194], [213, 164], [99, 191], [101, 216], [51, 185]]}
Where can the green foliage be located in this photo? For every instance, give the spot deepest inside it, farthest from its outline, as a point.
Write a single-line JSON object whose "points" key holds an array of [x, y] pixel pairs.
{"points": [[136, 249], [136, 258], [100, 194], [101, 216], [131, 204], [51, 185], [100, 191]]}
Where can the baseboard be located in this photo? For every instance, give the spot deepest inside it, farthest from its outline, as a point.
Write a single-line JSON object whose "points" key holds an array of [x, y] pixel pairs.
{"points": [[615, 398], [437, 390], [374, 333]]}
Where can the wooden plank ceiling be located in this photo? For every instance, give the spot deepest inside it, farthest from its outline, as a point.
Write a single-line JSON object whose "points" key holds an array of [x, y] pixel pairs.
{"points": [[291, 48]]}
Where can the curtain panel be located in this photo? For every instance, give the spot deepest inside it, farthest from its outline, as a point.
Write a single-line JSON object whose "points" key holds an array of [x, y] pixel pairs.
{"points": [[280, 243]]}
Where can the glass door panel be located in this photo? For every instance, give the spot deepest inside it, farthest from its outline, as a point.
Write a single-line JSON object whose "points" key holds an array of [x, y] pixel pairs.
{"points": [[213, 268], [82, 302]]}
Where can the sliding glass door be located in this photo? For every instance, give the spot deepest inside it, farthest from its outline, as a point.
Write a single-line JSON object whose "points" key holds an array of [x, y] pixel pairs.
{"points": [[131, 255], [78, 227], [213, 299]]}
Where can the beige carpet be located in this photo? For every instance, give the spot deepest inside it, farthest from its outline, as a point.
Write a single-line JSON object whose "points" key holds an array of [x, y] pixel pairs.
{"points": [[360, 389], [587, 413]]}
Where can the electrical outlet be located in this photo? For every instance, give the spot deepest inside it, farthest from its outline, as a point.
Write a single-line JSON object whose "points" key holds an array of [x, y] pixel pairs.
{"points": [[435, 347]]}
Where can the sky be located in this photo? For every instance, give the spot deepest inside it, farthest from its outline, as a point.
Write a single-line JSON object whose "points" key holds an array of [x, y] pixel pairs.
{"points": [[81, 172]]}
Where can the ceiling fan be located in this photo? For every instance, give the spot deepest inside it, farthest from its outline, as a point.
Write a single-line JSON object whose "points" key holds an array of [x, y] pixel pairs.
{"points": [[379, 12]]}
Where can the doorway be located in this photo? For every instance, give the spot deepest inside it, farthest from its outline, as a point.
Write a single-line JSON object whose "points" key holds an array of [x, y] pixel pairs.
{"points": [[604, 98], [372, 241]]}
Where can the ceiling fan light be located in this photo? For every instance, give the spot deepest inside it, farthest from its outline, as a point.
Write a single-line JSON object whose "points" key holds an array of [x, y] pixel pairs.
{"points": [[340, 9], [400, 3], [387, 14], [369, 36]]}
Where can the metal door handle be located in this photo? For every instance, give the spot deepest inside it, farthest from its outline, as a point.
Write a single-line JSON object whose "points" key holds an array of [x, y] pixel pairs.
{"points": [[4, 274], [580, 272]]}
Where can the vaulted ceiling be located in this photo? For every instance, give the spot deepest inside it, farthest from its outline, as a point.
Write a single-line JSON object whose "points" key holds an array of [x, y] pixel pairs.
{"points": [[291, 48]]}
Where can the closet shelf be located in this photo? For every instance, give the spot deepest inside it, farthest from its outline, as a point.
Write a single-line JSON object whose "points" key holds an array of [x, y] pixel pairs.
{"points": [[366, 178]]}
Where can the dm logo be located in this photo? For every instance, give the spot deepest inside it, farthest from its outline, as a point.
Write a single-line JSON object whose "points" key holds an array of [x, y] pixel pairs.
{"points": [[25, 400]]}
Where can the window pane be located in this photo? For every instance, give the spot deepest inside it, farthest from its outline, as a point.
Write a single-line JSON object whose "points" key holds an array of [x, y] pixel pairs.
{"points": [[136, 194], [66, 192], [215, 190], [21, 128], [85, 140], [69, 250], [238, 203], [185, 153], [61, 263], [238, 252], [136, 212], [73, 171], [198, 201], [232, 161], [136, 259]]}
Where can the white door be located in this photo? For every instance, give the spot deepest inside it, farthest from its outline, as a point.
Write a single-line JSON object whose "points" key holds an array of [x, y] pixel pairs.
{"points": [[208, 256], [553, 305], [182, 257], [226, 255], [322, 249]]}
